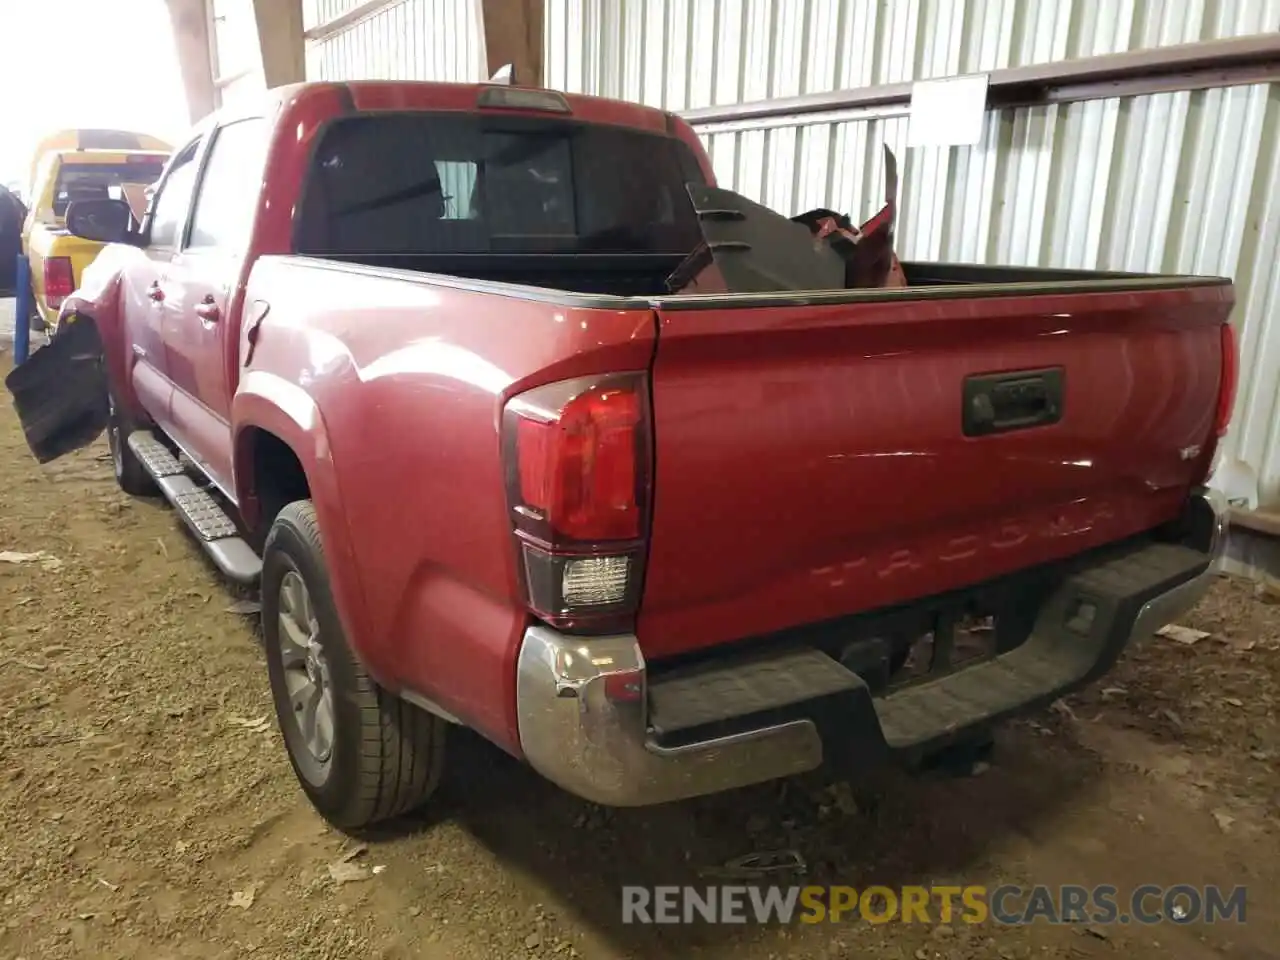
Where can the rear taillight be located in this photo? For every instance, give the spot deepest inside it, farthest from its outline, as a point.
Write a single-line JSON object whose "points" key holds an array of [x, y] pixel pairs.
{"points": [[577, 457], [1230, 376], [59, 281]]}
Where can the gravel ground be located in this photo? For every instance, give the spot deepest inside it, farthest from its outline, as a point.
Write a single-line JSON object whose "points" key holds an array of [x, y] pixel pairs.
{"points": [[6, 321], [150, 812]]}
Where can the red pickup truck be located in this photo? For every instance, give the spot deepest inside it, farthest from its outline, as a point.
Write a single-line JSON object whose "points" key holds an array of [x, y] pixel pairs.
{"points": [[405, 354]]}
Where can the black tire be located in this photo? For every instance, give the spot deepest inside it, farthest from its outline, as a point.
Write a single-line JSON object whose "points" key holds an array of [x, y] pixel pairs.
{"points": [[386, 756], [36, 322], [130, 473]]}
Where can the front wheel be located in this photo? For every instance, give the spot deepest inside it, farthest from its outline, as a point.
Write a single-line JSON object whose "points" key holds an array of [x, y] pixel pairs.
{"points": [[360, 754], [130, 473]]}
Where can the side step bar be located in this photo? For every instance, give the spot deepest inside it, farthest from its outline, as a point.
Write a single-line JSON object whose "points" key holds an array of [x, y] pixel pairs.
{"points": [[215, 530]]}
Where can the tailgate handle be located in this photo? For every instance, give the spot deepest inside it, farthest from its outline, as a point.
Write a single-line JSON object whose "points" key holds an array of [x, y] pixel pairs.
{"points": [[998, 403]]}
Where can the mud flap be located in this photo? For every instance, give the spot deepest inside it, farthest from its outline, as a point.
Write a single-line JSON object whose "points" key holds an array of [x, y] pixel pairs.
{"points": [[60, 393]]}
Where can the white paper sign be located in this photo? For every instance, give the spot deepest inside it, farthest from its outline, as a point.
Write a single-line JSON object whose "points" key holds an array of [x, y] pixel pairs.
{"points": [[948, 112]]}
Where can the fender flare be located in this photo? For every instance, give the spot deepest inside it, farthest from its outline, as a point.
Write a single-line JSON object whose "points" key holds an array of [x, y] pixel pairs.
{"points": [[276, 406]]}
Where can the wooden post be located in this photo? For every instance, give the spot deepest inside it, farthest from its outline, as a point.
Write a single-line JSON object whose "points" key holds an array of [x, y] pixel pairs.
{"points": [[190, 22], [280, 41], [513, 34]]}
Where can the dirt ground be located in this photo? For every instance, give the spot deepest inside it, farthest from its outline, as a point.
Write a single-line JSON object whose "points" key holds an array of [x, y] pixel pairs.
{"points": [[148, 810]]}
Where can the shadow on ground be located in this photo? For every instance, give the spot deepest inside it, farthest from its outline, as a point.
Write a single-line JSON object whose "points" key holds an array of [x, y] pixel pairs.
{"points": [[894, 829]]}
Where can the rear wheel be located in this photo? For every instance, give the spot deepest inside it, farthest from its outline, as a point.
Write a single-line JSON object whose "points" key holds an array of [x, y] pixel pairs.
{"points": [[360, 753], [130, 473]]}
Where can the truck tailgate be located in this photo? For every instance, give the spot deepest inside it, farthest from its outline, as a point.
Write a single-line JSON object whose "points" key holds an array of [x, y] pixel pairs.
{"points": [[813, 461]]}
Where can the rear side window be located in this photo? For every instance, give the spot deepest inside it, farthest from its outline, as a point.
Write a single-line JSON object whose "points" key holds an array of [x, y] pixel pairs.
{"points": [[229, 189], [101, 181], [465, 183]]}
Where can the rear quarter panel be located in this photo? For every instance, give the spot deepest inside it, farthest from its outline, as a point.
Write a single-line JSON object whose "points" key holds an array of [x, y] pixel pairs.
{"points": [[392, 392]]}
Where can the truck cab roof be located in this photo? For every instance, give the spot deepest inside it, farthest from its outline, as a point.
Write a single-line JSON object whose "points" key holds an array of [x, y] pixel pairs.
{"points": [[422, 95]]}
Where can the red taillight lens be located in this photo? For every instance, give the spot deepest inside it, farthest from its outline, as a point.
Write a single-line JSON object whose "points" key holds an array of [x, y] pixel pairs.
{"points": [[579, 471], [577, 460], [1230, 377], [59, 280]]}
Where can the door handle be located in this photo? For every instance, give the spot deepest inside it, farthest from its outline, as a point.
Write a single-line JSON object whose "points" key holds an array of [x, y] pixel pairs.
{"points": [[1012, 401], [154, 291], [207, 309]]}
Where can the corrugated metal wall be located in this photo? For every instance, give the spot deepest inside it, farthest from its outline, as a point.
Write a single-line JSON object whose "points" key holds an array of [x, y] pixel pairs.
{"points": [[1176, 182], [680, 54], [408, 40]]}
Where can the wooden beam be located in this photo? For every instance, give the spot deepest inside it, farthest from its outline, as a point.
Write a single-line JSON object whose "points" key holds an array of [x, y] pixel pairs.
{"points": [[513, 34], [190, 22], [280, 41], [361, 11]]}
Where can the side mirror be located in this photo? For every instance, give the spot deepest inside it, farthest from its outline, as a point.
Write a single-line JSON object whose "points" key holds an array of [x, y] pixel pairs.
{"points": [[106, 221]]}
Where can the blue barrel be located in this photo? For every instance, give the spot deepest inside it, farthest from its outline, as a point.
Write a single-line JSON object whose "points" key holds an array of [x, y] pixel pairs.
{"points": [[22, 308]]}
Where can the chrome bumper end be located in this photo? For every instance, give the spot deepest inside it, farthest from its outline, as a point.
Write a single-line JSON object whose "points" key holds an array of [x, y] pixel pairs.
{"points": [[1210, 536], [581, 708]]}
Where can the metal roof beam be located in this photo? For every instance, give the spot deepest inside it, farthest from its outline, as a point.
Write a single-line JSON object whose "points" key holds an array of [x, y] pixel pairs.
{"points": [[1190, 66]]}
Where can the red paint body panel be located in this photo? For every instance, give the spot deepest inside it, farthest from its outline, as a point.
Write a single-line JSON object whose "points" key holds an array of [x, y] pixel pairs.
{"points": [[811, 462], [195, 352]]}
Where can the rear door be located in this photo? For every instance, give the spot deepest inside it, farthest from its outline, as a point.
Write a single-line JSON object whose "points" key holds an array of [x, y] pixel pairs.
{"points": [[202, 285], [817, 461]]}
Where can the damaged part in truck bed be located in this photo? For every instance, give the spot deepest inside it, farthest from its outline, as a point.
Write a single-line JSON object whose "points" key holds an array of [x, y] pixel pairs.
{"points": [[868, 252], [748, 248]]}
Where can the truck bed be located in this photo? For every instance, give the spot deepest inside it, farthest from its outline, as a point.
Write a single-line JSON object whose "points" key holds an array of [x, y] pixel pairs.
{"points": [[642, 277]]}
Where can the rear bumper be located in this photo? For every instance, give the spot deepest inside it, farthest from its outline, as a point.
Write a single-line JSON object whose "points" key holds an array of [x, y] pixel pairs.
{"points": [[593, 721]]}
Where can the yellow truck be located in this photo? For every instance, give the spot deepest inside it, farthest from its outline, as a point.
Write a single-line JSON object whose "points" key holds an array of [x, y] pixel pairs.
{"points": [[63, 175], [91, 139]]}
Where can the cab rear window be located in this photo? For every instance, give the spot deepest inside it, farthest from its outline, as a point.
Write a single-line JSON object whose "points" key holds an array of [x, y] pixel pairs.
{"points": [[100, 181], [465, 183]]}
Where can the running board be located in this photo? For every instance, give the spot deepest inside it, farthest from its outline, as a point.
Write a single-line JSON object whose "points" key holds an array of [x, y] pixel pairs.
{"points": [[199, 510]]}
